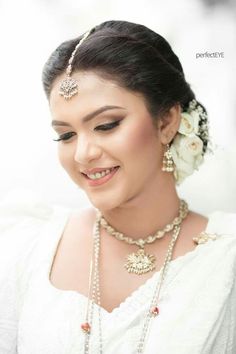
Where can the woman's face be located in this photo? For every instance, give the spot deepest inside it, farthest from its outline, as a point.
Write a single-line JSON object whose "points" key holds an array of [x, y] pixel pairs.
{"points": [[130, 140]]}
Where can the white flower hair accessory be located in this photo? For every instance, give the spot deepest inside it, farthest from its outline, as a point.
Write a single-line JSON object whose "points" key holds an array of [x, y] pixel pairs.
{"points": [[191, 141]]}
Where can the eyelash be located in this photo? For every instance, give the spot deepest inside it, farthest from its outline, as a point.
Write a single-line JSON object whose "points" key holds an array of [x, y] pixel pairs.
{"points": [[102, 127]]}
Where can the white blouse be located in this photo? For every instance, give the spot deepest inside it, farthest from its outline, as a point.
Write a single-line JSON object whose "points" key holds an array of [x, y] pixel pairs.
{"points": [[197, 303]]}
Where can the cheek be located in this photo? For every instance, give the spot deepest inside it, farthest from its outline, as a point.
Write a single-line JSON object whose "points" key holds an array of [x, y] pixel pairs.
{"points": [[141, 138], [137, 139], [140, 148], [65, 157]]}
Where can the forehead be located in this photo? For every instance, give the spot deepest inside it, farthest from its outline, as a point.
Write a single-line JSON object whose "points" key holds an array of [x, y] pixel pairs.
{"points": [[93, 92]]}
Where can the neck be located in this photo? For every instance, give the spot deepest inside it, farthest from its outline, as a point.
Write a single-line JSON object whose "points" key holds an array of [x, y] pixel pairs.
{"points": [[147, 212]]}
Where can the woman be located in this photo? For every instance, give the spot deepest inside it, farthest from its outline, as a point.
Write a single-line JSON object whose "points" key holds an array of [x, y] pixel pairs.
{"points": [[137, 272]]}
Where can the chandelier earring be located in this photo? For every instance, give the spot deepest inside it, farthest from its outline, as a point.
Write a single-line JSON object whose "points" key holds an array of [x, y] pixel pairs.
{"points": [[168, 163]]}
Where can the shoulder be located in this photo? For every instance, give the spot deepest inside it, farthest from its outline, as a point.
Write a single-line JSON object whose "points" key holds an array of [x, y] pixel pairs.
{"points": [[80, 222], [213, 263], [223, 223], [19, 204], [85, 216], [23, 214], [219, 222]]}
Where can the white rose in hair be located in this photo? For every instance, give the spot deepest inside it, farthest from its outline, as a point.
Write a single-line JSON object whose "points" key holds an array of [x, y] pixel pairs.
{"points": [[189, 123], [180, 176], [187, 146], [187, 155], [193, 145], [198, 160], [182, 164]]}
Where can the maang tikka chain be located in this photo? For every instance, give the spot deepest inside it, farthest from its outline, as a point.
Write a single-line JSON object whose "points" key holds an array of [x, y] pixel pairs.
{"points": [[69, 86]]}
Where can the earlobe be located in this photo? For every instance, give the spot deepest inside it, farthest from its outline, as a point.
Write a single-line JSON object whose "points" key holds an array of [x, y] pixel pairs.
{"points": [[169, 124]]}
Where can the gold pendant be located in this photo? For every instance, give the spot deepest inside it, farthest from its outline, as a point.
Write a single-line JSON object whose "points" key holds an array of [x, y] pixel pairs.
{"points": [[140, 262]]}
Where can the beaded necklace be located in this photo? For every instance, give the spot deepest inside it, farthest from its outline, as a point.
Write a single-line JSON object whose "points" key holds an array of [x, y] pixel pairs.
{"points": [[95, 297]]}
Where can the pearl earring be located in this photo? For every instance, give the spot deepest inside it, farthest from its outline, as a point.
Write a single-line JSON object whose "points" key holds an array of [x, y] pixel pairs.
{"points": [[168, 163]]}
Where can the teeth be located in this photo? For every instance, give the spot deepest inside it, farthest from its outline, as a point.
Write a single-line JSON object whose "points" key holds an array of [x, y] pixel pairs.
{"points": [[98, 175]]}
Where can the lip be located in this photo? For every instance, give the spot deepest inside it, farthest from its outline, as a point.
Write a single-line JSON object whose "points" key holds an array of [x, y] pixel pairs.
{"points": [[98, 182], [97, 169]]}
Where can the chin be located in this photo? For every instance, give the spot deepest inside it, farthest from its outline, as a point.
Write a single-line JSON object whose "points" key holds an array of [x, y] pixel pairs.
{"points": [[105, 203]]}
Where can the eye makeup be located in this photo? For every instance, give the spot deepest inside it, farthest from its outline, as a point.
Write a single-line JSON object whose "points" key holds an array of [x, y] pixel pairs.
{"points": [[102, 127]]}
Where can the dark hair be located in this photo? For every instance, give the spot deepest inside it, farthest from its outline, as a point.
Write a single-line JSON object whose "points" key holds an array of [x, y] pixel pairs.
{"points": [[133, 56]]}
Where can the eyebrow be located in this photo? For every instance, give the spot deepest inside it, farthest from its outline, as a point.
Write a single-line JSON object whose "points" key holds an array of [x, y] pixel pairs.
{"points": [[88, 117]]}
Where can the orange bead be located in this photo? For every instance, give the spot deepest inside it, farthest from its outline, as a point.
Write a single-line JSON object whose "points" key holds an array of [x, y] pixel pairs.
{"points": [[155, 310], [86, 327]]}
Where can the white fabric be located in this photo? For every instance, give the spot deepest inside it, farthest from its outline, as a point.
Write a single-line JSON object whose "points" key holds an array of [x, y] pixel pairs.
{"points": [[197, 307]]}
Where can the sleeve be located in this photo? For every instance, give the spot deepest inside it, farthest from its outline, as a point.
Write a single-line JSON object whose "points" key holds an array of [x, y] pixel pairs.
{"points": [[227, 227], [22, 216]]}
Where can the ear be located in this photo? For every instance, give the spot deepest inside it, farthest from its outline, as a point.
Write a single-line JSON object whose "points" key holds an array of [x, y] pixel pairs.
{"points": [[169, 124]]}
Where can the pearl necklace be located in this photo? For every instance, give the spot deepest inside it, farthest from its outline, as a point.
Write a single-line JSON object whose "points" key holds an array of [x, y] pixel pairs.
{"points": [[94, 283]]}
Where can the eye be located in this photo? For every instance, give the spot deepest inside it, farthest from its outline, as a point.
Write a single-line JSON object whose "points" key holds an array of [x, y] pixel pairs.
{"points": [[65, 136], [108, 126], [102, 127]]}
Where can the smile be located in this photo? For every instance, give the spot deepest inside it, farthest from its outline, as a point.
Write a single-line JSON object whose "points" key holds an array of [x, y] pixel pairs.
{"points": [[101, 178]]}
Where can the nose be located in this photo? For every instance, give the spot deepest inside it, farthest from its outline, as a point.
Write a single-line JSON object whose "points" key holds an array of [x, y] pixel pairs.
{"points": [[86, 150]]}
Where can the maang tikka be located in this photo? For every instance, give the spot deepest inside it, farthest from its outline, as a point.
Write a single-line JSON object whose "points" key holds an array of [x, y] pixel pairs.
{"points": [[69, 86]]}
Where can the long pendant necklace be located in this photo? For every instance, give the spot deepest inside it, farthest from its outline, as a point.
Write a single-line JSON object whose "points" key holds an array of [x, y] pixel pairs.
{"points": [[94, 282], [94, 285], [153, 309], [141, 262]]}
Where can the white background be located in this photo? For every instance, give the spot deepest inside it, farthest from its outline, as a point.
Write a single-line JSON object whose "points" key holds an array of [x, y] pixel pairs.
{"points": [[31, 30]]}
